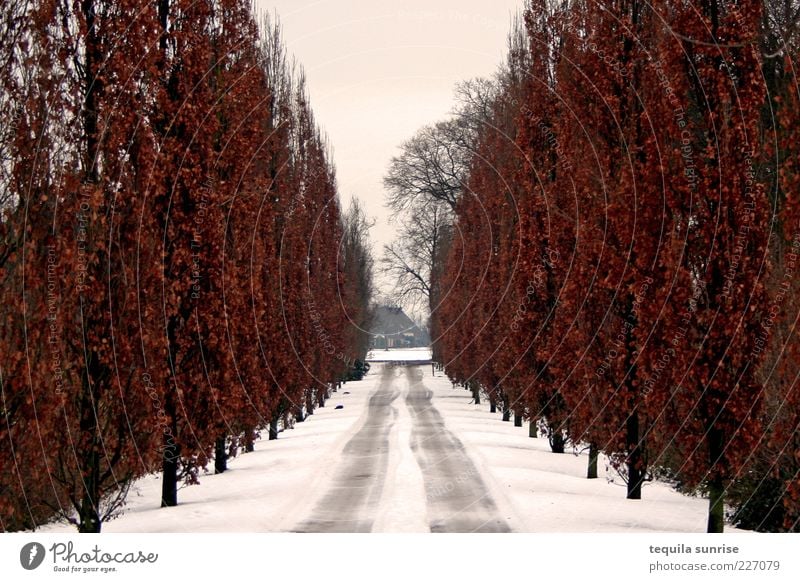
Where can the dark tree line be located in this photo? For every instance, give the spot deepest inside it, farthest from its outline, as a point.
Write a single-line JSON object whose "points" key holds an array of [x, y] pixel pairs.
{"points": [[621, 266], [177, 275]]}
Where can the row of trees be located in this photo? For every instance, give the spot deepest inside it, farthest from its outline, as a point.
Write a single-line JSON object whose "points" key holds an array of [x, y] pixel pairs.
{"points": [[621, 261], [176, 272]]}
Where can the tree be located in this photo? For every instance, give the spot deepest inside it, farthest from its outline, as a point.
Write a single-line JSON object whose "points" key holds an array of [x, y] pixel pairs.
{"points": [[544, 227], [764, 495], [83, 238], [356, 286], [186, 204], [243, 145], [622, 257], [723, 213], [616, 263], [28, 359], [411, 260], [423, 187], [158, 215], [432, 167]]}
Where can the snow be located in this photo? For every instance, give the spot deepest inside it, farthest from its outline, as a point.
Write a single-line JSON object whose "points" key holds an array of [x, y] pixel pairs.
{"points": [[540, 491], [276, 487], [403, 505], [265, 491], [400, 355]]}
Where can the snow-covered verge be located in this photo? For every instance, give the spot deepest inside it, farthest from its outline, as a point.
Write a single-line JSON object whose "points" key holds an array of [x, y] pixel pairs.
{"points": [[540, 491], [265, 491]]}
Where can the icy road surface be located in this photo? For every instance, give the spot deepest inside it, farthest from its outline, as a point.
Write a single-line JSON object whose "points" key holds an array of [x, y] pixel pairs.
{"points": [[456, 499]]}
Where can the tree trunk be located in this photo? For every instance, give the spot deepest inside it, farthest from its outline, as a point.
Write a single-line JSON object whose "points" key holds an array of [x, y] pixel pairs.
{"points": [[310, 402], [716, 487], [594, 454], [299, 415], [88, 513], [634, 461], [517, 419], [322, 393], [89, 517], [716, 506], [634, 482], [476, 393], [220, 456], [492, 405], [506, 409], [532, 432], [273, 428], [556, 441], [249, 440], [169, 481]]}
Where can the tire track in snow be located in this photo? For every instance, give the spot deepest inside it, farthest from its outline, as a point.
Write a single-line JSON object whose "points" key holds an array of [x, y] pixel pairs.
{"points": [[351, 501], [458, 499]]}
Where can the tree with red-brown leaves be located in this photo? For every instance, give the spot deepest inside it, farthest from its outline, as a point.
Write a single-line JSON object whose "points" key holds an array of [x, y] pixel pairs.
{"points": [[312, 315], [494, 177], [782, 418], [278, 220], [82, 337], [169, 223], [488, 290], [187, 205], [544, 227], [464, 274], [639, 295], [243, 145], [723, 213], [766, 493], [620, 238], [33, 378], [24, 97], [300, 257], [356, 289]]}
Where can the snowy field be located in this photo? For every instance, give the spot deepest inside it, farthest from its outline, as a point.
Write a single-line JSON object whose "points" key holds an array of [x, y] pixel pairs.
{"points": [[400, 355], [287, 483]]}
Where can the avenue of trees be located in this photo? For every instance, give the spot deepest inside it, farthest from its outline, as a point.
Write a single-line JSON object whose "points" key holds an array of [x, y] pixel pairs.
{"points": [[177, 275], [617, 260]]}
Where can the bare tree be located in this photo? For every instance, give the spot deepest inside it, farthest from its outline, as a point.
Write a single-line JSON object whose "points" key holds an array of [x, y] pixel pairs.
{"points": [[426, 181], [411, 260], [432, 167], [424, 184], [434, 164]]}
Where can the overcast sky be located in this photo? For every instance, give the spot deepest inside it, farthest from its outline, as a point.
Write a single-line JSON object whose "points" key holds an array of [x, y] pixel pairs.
{"points": [[378, 70]]}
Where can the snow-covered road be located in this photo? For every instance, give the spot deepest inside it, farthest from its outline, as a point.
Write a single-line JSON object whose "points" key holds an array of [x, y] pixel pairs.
{"points": [[353, 496], [456, 499]]}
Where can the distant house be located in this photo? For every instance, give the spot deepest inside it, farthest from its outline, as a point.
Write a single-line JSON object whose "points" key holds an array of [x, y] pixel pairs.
{"points": [[392, 328]]}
